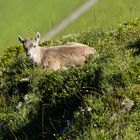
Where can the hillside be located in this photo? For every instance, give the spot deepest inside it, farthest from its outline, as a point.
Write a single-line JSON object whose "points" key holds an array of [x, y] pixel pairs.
{"points": [[100, 100]]}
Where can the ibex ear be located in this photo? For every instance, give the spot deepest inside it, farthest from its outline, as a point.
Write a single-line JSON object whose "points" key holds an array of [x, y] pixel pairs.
{"points": [[21, 39], [37, 37]]}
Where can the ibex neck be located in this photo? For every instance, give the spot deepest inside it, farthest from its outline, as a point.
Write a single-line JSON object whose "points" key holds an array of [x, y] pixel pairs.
{"points": [[36, 56]]}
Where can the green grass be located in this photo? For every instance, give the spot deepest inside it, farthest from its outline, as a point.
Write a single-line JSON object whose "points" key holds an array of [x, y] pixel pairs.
{"points": [[27, 17], [100, 100], [105, 14]]}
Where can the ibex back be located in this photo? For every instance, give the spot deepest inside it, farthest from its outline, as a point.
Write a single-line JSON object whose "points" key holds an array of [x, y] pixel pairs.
{"points": [[56, 57]]}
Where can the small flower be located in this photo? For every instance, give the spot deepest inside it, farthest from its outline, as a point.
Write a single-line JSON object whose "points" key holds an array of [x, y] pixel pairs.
{"points": [[19, 105], [95, 125], [89, 109], [26, 97]]}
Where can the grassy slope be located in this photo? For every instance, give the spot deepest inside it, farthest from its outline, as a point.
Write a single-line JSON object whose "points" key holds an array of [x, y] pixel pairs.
{"points": [[26, 17], [99, 101], [104, 14]]}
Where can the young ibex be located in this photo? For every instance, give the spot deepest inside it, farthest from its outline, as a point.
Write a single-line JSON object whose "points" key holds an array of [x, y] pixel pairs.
{"points": [[56, 57]]}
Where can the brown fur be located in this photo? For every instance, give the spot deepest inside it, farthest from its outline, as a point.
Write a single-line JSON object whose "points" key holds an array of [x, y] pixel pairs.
{"points": [[56, 57]]}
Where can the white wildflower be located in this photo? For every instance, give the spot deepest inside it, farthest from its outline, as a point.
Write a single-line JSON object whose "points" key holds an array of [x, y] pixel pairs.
{"points": [[19, 105], [89, 109], [26, 97]]}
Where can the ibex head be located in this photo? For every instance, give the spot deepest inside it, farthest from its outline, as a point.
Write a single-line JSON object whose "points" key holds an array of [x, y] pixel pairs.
{"points": [[30, 44]]}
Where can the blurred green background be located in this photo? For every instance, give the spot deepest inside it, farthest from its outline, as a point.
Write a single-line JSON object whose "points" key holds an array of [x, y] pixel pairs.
{"points": [[26, 17], [106, 14]]}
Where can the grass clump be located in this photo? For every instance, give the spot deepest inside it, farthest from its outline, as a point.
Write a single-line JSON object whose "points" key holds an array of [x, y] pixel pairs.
{"points": [[100, 100]]}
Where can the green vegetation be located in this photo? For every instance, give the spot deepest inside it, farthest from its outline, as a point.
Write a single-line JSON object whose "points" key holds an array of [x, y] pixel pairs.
{"points": [[100, 100], [105, 14], [26, 17]]}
